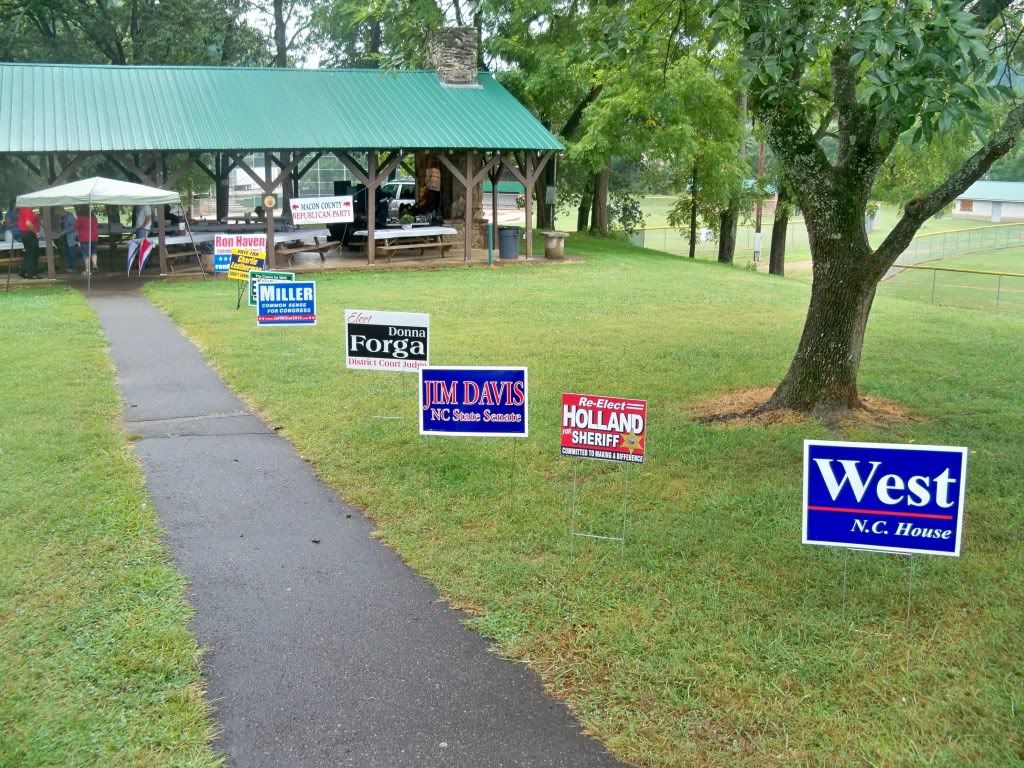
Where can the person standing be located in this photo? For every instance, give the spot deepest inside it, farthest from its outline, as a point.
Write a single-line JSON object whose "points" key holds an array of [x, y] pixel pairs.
{"points": [[143, 221], [88, 230], [11, 221], [28, 225], [70, 237]]}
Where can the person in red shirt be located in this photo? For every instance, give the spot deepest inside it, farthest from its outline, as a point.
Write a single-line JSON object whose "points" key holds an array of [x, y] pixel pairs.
{"points": [[28, 223], [88, 229]]}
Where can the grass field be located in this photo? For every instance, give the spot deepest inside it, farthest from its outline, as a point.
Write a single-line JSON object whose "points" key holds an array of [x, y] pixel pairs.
{"points": [[97, 666], [959, 289], [664, 238], [713, 638]]}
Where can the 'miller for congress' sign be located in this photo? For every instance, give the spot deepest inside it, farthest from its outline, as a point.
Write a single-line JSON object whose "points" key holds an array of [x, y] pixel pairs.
{"points": [[889, 498], [609, 428], [473, 402]]}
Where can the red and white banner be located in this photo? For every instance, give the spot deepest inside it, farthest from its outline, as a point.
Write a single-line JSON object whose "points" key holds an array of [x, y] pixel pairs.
{"points": [[599, 427], [322, 210]]}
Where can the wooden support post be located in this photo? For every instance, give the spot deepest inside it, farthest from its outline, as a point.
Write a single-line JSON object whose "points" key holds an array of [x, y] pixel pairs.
{"points": [[527, 174], [268, 172], [529, 204], [161, 223], [371, 206], [468, 183], [51, 270], [494, 175]]}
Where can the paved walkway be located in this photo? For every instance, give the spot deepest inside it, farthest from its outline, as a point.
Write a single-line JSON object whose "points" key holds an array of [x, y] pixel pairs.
{"points": [[323, 647]]}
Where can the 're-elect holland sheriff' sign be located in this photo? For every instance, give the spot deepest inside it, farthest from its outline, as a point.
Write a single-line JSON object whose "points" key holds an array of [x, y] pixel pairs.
{"points": [[386, 341], [599, 427], [473, 402], [890, 498]]}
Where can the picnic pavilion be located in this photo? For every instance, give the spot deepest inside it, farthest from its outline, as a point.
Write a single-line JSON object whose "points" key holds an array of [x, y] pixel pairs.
{"points": [[171, 119]]}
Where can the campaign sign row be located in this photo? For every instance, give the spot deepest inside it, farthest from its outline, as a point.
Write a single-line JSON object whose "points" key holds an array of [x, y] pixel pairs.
{"points": [[906, 499]]}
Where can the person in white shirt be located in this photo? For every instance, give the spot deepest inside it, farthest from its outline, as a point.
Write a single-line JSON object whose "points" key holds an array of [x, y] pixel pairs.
{"points": [[143, 221]]}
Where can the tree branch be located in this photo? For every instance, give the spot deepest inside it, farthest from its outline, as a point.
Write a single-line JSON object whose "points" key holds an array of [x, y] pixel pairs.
{"points": [[918, 211]]}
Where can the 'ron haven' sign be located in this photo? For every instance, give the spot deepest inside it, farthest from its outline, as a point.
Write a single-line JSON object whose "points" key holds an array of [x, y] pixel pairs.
{"points": [[386, 341], [473, 402], [610, 428], [884, 497]]}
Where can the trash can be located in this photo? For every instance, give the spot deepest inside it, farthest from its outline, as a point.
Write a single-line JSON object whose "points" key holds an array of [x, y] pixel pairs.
{"points": [[508, 242]]}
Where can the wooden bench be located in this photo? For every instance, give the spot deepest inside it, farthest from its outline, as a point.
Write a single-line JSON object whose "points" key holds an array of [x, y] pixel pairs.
{"points": [[442, 247], [321, 249]]}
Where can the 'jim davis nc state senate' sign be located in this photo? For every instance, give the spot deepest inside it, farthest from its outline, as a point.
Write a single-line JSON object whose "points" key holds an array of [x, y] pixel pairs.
{"points": [[890, 498], [599, 427], [473, 402], [386, 341]]}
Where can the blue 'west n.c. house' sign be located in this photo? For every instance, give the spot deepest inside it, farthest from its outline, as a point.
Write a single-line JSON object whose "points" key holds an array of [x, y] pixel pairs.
{"points": [[889, 498]]}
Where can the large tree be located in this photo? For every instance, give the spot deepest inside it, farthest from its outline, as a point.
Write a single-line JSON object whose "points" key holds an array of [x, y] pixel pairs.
{"points": [[917, 68]]}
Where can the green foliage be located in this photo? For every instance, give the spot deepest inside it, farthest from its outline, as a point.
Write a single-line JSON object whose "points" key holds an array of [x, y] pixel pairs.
{"points": [[131, 32], [915, 168]]}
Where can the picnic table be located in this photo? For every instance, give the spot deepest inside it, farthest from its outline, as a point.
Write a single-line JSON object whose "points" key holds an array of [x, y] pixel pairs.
{"points": [[413, 239]]}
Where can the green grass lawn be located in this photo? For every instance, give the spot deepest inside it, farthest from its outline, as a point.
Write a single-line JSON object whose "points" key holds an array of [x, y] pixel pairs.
{"points": [[656, 209], [97, 666], [714, 638]]}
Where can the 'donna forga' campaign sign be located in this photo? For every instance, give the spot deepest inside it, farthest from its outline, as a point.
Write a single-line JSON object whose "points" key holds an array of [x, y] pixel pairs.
{"points": [[473, 402], [890, 498], [609, 428]]}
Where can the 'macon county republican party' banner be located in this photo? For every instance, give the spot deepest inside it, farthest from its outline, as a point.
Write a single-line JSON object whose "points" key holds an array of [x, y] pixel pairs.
{"points": [[322, 210], [890, 498], [608, 428], [224, 244], [386, 341], [473, 402], [286, 303]]}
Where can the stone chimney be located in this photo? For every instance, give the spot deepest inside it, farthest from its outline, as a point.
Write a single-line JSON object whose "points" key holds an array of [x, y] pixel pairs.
{"points": [[452, 52]]}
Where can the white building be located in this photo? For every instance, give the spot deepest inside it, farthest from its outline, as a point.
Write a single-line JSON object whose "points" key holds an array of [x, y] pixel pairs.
{"points": [[993, 201]]}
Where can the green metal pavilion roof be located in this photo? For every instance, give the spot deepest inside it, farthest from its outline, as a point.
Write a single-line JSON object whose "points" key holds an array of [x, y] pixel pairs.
{"points": [[78, 108]]}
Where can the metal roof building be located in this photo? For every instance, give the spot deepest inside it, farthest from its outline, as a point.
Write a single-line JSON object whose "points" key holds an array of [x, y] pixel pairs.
{"points": [[73, 108], [145, 119]]}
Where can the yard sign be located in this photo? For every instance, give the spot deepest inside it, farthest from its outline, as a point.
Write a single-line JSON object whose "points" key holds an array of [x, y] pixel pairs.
{"points": [[599, 427], [473, 402], [386, 341], [286, 303], [258, 276], [223, 244], [890, 498], [244, 261]]}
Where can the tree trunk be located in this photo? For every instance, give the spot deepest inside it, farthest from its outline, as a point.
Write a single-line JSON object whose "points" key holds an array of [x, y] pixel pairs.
{"points": [[822, 378], [280, 35], [693, 213], [583, 212], [777, 255], [599, 210], [727, 234]]}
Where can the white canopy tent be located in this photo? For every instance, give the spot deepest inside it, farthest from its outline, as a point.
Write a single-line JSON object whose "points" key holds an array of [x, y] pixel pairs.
{"points": [[100, 191]]}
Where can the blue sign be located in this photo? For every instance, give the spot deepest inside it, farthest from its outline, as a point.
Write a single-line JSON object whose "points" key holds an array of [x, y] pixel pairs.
{"points": [[473, 402], [281, 303], [889, 498], [221, 262]]}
